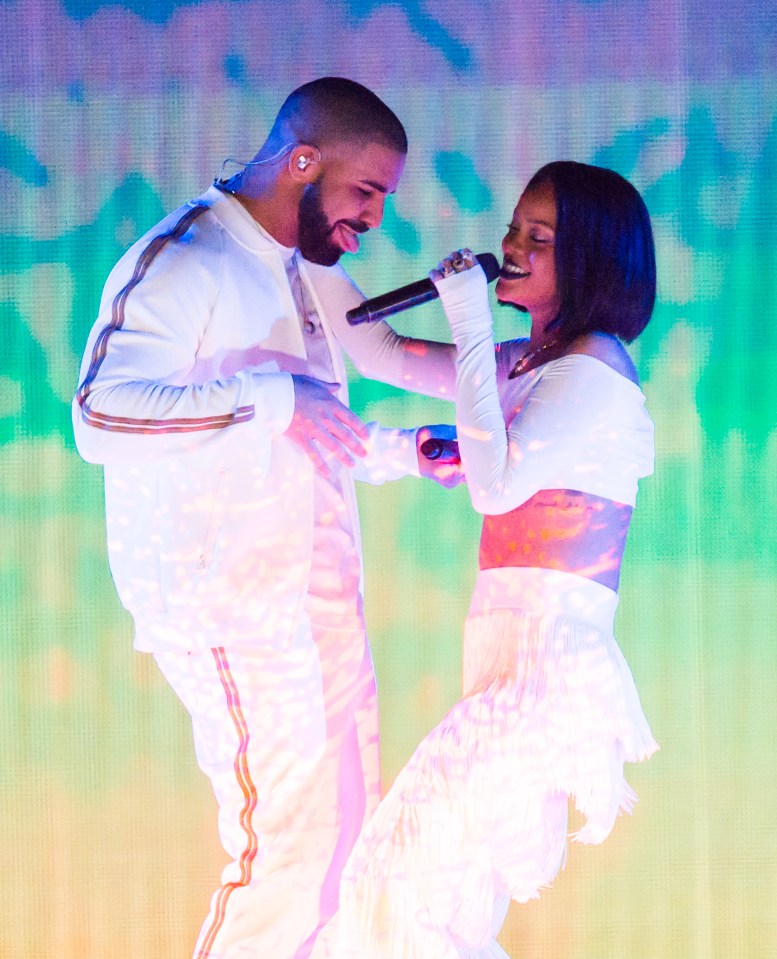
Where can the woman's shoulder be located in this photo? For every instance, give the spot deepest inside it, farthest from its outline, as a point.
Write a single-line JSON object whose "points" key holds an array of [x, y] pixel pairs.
{"points": [[608, 350]]}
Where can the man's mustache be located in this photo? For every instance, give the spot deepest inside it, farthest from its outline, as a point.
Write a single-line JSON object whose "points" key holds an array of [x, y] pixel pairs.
{"points": [[356, 225]]}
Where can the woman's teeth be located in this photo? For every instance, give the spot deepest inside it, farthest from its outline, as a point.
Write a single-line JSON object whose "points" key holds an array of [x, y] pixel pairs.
{"points": [[512, 271]]}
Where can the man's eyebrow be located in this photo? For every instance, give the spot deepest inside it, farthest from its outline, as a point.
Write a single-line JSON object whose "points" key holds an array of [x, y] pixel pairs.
{"points": [[377, 186]]}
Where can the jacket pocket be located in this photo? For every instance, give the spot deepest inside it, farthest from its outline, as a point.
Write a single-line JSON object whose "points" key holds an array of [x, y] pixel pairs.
{"points": [[213, 525], [191, 517]]}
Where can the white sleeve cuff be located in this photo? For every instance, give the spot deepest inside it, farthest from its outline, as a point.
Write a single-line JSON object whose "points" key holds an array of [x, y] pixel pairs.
{"points": [[272, 396], [391, 454]]}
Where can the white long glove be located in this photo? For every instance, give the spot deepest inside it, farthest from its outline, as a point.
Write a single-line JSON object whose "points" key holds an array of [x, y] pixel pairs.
{"points": [[464, 296], [479, 421]]}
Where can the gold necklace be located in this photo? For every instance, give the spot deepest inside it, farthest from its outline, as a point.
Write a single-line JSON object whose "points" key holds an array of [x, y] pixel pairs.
{"points": [[528, 356]]}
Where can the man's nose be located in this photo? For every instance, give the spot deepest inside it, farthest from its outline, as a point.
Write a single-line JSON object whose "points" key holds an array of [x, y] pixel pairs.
{"points": [[372, 215]]}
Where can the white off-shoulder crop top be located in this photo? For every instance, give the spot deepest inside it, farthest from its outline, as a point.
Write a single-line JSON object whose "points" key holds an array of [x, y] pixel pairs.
{"points": [[573, 423]]}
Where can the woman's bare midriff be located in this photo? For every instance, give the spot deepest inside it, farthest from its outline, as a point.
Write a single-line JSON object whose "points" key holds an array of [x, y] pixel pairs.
{"points": [[560, 529]]}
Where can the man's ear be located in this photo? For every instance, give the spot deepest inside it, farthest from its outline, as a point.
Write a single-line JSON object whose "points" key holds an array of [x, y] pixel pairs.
{"points": [[303, 162]]}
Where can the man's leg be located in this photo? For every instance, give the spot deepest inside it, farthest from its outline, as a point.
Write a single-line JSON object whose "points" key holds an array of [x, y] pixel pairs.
{"points": [[276, 729], [348, 778]]}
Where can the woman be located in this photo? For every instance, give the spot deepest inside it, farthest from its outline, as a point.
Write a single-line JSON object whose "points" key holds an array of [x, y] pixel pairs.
{"points": [[554, 437]]}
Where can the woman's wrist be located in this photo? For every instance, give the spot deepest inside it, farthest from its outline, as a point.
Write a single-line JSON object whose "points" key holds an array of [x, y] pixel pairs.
{"points": [[464, 297]]}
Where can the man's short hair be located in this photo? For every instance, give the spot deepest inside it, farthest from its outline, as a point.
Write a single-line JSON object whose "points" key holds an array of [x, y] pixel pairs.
{"points": [[336, 110]]}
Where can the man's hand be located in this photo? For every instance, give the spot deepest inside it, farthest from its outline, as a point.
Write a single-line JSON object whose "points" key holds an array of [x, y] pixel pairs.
{"points": [[322, 426], [438, 455]]}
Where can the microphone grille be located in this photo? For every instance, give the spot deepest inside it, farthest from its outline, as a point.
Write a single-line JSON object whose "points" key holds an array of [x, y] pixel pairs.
{"points": [[490, 265]]}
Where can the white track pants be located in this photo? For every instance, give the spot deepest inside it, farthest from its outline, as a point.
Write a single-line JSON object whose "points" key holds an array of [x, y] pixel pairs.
{"points": [[286, 730]]}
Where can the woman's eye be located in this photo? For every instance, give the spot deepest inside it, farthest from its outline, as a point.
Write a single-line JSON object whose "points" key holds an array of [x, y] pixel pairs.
{"points": [[365, 193]]}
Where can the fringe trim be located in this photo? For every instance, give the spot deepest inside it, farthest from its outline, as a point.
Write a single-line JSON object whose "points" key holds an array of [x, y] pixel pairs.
{"points": [[479, 814], [561, 693]]}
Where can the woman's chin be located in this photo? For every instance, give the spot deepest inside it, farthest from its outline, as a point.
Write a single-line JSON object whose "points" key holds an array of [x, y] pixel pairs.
{"points": [[505, 300]]}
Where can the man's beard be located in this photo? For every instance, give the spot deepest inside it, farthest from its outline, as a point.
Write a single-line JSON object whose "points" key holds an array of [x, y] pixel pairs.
{"points": [[314, 230]]}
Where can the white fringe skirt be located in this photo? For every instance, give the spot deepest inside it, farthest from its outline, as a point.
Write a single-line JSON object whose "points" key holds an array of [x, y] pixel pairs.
{"points": [[479, 814]]}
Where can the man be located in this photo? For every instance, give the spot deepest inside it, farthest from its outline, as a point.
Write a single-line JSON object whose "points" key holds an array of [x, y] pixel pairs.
{"points": [[213, 392]]}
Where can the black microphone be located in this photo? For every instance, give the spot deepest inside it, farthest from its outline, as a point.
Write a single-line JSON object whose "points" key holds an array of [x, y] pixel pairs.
{"points": [[411, 295]]}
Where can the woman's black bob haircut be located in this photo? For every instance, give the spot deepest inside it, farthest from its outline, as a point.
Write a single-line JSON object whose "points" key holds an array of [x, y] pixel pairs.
{"points": [[604, 252]]}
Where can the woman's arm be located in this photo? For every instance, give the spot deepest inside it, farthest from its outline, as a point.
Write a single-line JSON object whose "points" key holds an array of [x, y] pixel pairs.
{"points": [[379, 353], [548, 434]]}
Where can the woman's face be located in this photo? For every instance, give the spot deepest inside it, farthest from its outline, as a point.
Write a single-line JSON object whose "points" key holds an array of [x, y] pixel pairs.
{"points": [[528, 274]]}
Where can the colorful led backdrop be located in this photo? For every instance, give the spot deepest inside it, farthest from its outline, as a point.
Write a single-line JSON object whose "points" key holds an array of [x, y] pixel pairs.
{"points": [[115, 113]]}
